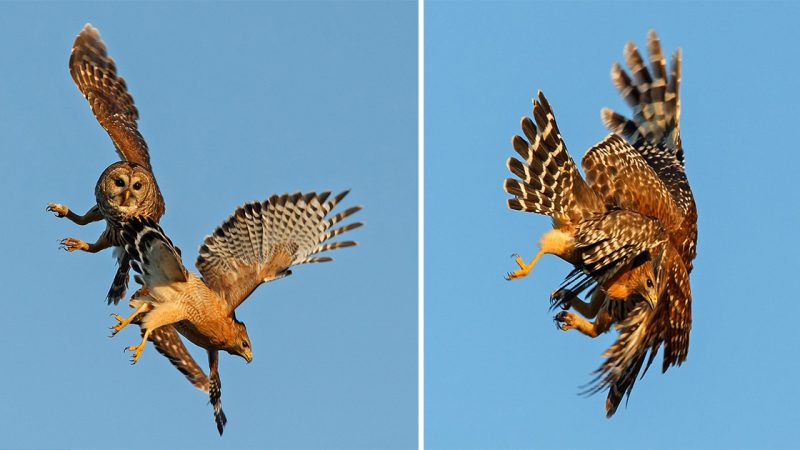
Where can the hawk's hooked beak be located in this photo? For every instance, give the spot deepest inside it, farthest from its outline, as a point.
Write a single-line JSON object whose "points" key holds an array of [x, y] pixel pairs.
{"points": [[248, 355], [651, 301]]}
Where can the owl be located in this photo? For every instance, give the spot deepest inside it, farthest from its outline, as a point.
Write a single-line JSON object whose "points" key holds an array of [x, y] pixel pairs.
{"points": [[126, 188], [259, 243]]}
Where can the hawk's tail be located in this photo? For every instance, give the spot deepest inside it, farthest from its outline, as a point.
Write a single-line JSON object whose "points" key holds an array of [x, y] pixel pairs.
{"points": [[653, 95], [624, 359], [549, 182]]}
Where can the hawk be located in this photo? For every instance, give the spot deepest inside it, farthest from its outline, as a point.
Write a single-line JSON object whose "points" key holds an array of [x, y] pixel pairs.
{"points": [[259, 243], [654, 133], [615, 248]]}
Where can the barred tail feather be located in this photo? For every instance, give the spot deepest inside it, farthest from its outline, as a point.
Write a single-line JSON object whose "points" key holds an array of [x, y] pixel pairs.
{"points": [[652, 95], [549, 182]]}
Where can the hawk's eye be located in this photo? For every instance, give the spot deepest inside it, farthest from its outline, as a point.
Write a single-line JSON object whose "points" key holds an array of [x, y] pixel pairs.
{"points": [[649, 283], [119, 182], [137, 186], [245, 344]]}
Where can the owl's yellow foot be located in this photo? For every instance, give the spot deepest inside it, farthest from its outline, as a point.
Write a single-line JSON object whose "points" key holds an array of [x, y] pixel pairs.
{"points": [[524, 269], [566, 320], [72, 244], [57, 208]]}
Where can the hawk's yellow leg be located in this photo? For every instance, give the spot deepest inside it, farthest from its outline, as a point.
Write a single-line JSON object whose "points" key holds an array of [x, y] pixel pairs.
{"points": [[524, 269], [126, 321], [137, 349]]}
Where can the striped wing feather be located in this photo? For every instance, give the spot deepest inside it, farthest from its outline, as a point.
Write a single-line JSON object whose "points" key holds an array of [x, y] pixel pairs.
{"points": [[262, 240]]}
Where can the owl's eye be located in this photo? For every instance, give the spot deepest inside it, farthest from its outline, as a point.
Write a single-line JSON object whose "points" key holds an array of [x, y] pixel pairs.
{"points": [[649, 283], [137, 186], [119, 182]]}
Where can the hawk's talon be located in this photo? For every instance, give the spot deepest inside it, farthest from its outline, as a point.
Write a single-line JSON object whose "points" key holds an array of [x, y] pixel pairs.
{"points": [[137, 351], [72, 244], [564, 320]]}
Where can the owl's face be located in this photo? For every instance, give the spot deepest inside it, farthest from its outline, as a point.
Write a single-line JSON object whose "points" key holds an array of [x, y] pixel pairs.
{"points": [[126, 188]]}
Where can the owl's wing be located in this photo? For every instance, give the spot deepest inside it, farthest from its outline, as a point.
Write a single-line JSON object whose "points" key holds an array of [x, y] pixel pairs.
{"points": [[169, 343], [95, 74], [261, 241], [619, 174], [676, 320]]}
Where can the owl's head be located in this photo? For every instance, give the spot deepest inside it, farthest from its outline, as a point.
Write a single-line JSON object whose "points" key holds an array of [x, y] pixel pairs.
{"points": [[126, 187], [240, 345]]}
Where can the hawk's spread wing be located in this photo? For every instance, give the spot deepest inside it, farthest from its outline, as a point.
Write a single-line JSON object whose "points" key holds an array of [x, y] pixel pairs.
{"points": [[96, 76], [261, 241], [619, 174]]}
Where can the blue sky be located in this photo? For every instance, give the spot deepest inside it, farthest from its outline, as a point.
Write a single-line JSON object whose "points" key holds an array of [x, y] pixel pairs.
{"points": [[237, 101], [498, 372]]}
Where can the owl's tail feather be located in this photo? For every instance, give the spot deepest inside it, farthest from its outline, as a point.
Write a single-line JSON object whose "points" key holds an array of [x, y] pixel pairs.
{"points": [[653, 95], [549, 182]]}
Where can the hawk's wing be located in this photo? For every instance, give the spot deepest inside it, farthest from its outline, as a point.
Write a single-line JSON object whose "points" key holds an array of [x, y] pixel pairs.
{"points": [[644, 330], [95, 74], [169, 343], [261, 241], [619, 174], [654, 130], [152, 253]]}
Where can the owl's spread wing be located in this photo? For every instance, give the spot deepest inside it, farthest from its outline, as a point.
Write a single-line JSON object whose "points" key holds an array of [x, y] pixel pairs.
{"points": [[261, 241], [676, 321], [169, 343], [95, 74], [619, 174]]}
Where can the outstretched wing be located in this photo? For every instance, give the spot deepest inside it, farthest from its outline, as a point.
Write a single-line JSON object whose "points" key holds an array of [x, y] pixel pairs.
{"points": [[152, 253], [623, 179], [95, 74], [169, 343], [261, 241], [549, 182]]}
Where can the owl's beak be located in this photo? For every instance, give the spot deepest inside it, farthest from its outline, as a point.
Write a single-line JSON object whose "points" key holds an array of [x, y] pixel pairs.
{"points": [[126, 196]]}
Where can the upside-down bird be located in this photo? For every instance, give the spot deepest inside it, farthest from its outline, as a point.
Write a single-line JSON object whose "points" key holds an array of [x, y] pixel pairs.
{"points": [[257, 244], [654, 133], [127, 188], [617, 249]]}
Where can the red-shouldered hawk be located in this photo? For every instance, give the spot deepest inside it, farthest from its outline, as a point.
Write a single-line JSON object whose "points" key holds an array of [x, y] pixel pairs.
{"points": [[654, 132], [257, 244], [612, 247]]}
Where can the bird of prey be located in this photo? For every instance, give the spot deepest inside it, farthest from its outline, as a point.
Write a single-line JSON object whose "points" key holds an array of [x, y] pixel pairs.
{"points": [[259, 243], [617, 249]]}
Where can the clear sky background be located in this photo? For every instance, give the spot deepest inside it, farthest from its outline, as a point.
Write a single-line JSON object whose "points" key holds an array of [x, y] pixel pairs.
{"points": [[237, 101], [498, 372]]}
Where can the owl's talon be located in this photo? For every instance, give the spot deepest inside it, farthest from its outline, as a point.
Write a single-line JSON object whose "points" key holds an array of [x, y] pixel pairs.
{"points": [[57, 208], [72, 244]]}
